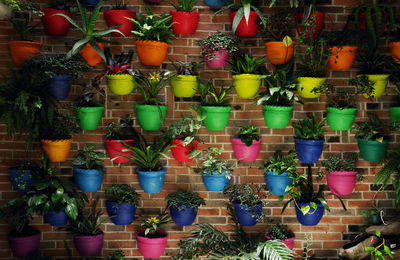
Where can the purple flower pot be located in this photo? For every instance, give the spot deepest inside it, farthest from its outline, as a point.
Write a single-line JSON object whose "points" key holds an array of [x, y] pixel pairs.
{"points": [[24, 246], [89, 246]]}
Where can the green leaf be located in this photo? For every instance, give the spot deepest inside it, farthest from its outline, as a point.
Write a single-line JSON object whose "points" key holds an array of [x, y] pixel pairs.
{"points": [[369, 249]]}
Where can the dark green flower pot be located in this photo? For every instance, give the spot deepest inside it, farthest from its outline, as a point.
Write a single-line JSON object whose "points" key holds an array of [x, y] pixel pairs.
{"points": [[90, 117], [394, 114], [340, 119], [277, 116], [149, 116], [371, 150], [216, 117]]}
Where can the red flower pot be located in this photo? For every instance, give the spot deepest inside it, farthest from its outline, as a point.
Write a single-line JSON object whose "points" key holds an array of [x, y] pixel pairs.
{"points": [[245, 153], [184, 22], [89, 246], [24, 246], [289, 242], [246, 30], [341, 182], [219, 60], [181, 153], [115, 17], [319, 24], [115, 148], [152, 247], [53, 24]]}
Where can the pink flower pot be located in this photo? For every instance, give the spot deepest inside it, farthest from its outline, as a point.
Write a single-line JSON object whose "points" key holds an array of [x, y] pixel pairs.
{"points": [[289, 242], [115, 148], [89, 246], [152, 247], [24, 246], [341, 182], [219, 61], [245, 153]]}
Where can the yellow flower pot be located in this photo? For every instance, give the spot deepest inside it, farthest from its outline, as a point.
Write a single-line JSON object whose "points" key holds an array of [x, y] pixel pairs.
{"points": [[247, 85], [120, 84], [184, 85], [305, 85], [380, 83]]}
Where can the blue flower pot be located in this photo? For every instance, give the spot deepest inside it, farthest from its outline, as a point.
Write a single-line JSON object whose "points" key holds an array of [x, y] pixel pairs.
{"points": [[216, 182], [89, 2], [56, 218], [277, 183], [60, 85], [308, 151], [215, 3], [245, 216], [21, 180], [151, 182], [88, 180], [122, 214], [311, 218], [184, 217]]}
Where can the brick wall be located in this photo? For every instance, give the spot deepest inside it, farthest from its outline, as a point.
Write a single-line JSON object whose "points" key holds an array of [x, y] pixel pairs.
{"points": [[335, 228]]}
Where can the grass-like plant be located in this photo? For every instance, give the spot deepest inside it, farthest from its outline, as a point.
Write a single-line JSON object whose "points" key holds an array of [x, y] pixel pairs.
{"points": [[309, 129]]}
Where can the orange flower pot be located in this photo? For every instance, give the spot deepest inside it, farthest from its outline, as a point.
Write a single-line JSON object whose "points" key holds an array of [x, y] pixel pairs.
{"points": [[395, 51], [90, 55], [22, 50], [58, 150], [151, 52], [278, 53], [342, 58]]}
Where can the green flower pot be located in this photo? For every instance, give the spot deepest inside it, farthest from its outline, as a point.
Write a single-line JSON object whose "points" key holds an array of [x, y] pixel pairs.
{"points": [[90, 117], [371, 150], [149, 116], [216, 117], [277, 116], [340, 119], [394, 114]]}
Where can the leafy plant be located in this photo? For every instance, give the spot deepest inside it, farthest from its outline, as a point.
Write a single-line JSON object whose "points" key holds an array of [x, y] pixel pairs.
{"points": [[122, 130], [367, 214], [210, 96], [211, 45], [24, 27], [119, 5], [247, 134], [211, 165], [315, 58], [373, 129], [89, 159], [120, 63], [150, 85], [183, 5], [309, 129], [279, 231], [116, 255], [279, 163], [340, 38], [376, 253], [89, 92], [122, 193], [190, 68], [372, 62], [68, 5], [335, 164], [62, 127], [185, 198], [246, 64], [185, 129], [151, 224], [279, 25]]}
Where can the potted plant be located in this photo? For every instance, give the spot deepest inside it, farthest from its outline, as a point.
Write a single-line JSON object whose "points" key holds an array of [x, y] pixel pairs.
{"points": [[122, 201], [55, 25], [371, 138], [216, 48], [395, 109], [186, 80], [151, 114], [310, 22], [246, 72], [183, 206], [154, 34], [278, 171], [118, 16], [88, 237], [153, 240], [277, 101], [247, 202], [22, 175], [309, 139], [372, 217], [246, 143], [119, 80], [281, 232], [184, 20], [88, 169]]}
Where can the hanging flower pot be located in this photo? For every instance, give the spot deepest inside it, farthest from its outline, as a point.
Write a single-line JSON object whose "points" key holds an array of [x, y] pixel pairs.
{"points": [[277, 183], [341, 182], [278, 52], [115, 17], [219, 61], [246, 85], [216, 117], [184, 22], [289, 242], [308, 151], [215, 181], [395, 51], [21, 180], [58, 150], [247, 216], [56, 219], [277, 116], [307, 84], [151, 52], [152, 247], [60, 85], [342, 58], [115, 148], [340, 119], [215, 3], [380, 83], [120, 214], [23, 50], [90, 117], [55, 25], [149, 116], [184, 85], [394, 114], [246, 30], [183, 217], [24, 246], [88, 180], [90, 55], [319, 24], [243, 152], [89, 246], [312, 217], [182, 153], [120, 84], [372, 150], [89, 2], [151, 182]]}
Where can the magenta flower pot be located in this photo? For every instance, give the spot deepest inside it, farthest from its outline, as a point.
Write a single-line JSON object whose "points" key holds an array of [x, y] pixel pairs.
{"points": [[152, 247], [24, 246], [289, 242], [341, 182], [219, 61], [245, 153], [89, 246]]}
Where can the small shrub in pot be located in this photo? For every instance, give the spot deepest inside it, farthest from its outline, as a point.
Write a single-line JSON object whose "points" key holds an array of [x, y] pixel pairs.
{"points": [[246, 143], [183, 206]]}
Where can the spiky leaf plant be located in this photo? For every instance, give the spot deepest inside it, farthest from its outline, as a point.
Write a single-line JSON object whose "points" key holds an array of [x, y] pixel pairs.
{"points": [[390, 172]]}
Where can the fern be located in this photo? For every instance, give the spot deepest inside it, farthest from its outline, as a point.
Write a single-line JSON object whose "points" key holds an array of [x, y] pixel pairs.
{"points": [[390, 172]]}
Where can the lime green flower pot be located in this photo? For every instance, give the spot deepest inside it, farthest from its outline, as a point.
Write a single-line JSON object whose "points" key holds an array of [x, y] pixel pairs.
{"points": [[89, 117], [380, 83], [277, 116], [305, 85], [184, 85], [340, 119], [120, 84], [246, 85], [149, 116], [216, 117]]}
